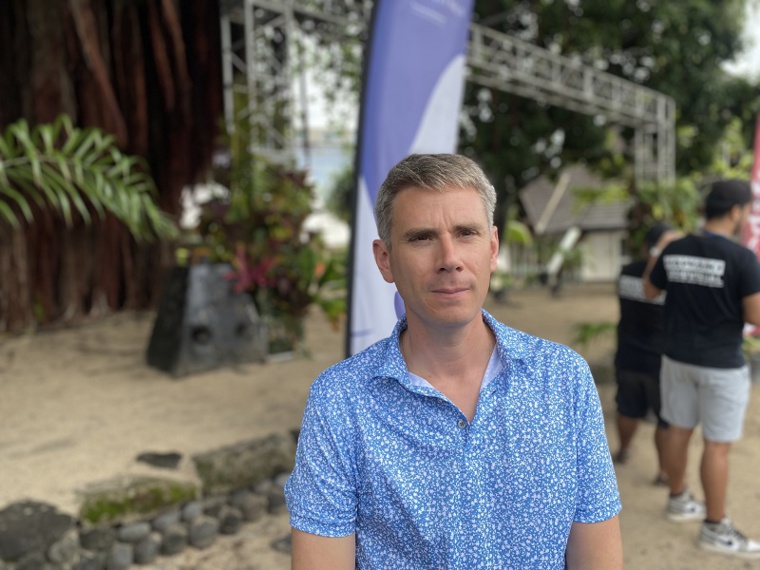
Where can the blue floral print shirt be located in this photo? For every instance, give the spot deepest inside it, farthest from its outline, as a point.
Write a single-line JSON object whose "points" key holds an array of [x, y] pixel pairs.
{"points": [[388, 457]]}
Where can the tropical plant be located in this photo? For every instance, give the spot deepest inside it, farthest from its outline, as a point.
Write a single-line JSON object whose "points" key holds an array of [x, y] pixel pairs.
{"points": [[585, 333], [147, 72], [676, 51], [258, 228], [74, 173], [339, 199]]}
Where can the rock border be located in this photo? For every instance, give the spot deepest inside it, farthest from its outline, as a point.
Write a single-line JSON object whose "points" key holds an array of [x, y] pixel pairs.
{"points": [[36, 535]]}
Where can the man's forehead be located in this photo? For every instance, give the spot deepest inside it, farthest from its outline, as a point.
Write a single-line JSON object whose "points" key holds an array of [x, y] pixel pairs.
{"points": [[443, 189], [418, 216]]}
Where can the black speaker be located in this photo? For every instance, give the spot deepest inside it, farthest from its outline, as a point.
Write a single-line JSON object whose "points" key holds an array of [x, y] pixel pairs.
{"points": [[202, 324]]}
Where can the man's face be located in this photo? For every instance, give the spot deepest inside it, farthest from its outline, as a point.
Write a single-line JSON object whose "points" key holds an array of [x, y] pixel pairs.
{"points": [[442, 254], [740, 215]]}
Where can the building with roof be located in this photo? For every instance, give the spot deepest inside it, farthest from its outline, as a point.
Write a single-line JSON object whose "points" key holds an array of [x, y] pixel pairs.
{"points": [[555, 211]]}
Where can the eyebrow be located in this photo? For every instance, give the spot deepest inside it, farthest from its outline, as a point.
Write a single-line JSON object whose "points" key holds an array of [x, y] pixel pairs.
{"points": [[425, 232]]}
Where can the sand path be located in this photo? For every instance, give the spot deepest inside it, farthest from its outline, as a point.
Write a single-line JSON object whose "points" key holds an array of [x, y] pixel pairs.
{"points": [[78, 406]]}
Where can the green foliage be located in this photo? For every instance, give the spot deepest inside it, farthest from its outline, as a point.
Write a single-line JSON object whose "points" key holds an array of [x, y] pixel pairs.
{"points": [[339, 200], [733, 158], [677, 203], [586, 333], [676, 48], [259, 230], [751, 346], [75, 173], [517, 232]]}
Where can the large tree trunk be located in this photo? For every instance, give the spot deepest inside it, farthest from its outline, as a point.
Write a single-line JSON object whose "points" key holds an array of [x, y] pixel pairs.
{"points": [[148, 72]]}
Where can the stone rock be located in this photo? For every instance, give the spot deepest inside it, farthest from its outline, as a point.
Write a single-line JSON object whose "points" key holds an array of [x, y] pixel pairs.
{"points": [[33, 561], [65, 549], [29, 526], [213, 506], [237, 496], [133, 532], [201, 324], [174, 540], [127, 499], [245, 464], [281, 479], [276, 500], [282, 544], [252, 506], [164, 521], [263, 487], [192, 511], [203, 532], [161, 460], [97, 539], [146, 551], [90, 561], [230, 520], [120, 557]]}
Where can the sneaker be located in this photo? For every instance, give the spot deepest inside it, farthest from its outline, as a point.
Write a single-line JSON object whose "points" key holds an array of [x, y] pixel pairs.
{"points": [[685, 508], [723, 538]]}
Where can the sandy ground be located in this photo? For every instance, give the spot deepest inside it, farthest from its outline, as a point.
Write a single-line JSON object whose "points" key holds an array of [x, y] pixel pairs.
{"points": [[79, 405]]}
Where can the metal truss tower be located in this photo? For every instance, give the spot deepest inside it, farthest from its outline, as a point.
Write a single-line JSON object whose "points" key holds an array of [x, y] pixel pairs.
{"points": [[259, 53]]}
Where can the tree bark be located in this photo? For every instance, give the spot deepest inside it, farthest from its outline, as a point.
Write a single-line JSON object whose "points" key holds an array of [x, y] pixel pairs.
{"points": [[150, 73]]}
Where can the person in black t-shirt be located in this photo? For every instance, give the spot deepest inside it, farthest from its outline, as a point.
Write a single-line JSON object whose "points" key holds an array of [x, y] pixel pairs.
{"points": [[713, 288], [637, 360]]}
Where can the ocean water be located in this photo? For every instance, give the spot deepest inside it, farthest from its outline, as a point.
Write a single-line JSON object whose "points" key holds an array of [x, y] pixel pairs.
{"points": [[324, 162]]}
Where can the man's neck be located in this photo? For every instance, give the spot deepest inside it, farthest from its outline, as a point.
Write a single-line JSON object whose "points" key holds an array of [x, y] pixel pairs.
{"points": [[431, 353], [452, 360], [721, 226]]}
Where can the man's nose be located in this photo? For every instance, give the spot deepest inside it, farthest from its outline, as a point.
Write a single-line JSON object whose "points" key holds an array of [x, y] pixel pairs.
{"points": [[449, 255]]}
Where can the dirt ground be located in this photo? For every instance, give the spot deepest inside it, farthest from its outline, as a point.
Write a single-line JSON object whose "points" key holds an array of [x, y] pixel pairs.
{"points": [[79, 405]]}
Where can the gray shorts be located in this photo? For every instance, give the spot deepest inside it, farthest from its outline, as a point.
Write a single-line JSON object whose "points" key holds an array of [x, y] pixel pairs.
{"points": [[716, 397]]}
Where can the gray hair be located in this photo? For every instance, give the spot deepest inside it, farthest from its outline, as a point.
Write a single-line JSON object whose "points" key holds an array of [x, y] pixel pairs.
{"points": [[432, 172]]}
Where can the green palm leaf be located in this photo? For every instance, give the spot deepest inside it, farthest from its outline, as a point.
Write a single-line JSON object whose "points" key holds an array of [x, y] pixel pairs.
{"points": [[75, 173]]}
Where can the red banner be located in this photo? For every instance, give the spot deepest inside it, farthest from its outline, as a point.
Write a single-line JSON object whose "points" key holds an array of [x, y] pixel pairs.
{"points": [[751, 232]]}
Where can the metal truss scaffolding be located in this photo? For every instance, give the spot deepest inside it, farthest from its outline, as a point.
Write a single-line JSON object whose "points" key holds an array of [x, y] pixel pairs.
{"points": [[258, 63]]}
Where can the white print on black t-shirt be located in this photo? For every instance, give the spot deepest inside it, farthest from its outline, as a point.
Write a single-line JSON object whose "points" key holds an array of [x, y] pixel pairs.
{"points": [[695, 270], [633, 288]]}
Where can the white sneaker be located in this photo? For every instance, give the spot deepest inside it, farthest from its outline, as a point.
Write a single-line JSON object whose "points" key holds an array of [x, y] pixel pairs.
{"points": [[723, 538], [685, 508]]}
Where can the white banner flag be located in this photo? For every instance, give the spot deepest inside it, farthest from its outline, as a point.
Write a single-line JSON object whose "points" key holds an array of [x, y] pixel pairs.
{"points": [[411, 98]]}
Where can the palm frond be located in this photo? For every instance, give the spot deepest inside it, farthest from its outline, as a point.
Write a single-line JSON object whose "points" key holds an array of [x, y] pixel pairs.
{"points": [[76, 173]]}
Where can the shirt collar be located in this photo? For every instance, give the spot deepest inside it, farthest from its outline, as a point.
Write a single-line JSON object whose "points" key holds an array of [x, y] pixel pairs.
{"points": [[493, 369], [508, 346]]}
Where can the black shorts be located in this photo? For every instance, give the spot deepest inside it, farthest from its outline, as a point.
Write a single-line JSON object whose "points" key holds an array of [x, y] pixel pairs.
{"points": [[637, 393]]}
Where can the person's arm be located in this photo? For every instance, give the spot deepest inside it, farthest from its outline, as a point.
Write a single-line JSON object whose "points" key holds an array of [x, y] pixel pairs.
{"points": [[312, 552], [595, 546], [651, 291], [751, 306]]}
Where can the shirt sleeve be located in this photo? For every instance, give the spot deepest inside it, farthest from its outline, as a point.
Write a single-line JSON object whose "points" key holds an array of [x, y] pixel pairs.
{"points": [[598, 495], [321, 492]]}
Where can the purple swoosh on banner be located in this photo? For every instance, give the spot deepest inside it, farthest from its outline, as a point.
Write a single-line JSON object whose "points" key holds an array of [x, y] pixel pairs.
{"points": [[413, 42]]}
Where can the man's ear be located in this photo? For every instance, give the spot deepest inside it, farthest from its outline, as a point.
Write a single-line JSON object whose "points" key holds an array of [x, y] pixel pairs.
{"points": [[494, 248], [383, 259]]}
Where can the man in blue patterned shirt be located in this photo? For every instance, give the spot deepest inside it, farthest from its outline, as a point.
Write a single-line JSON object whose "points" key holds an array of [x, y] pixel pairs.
{"points": [[457, 442]]}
